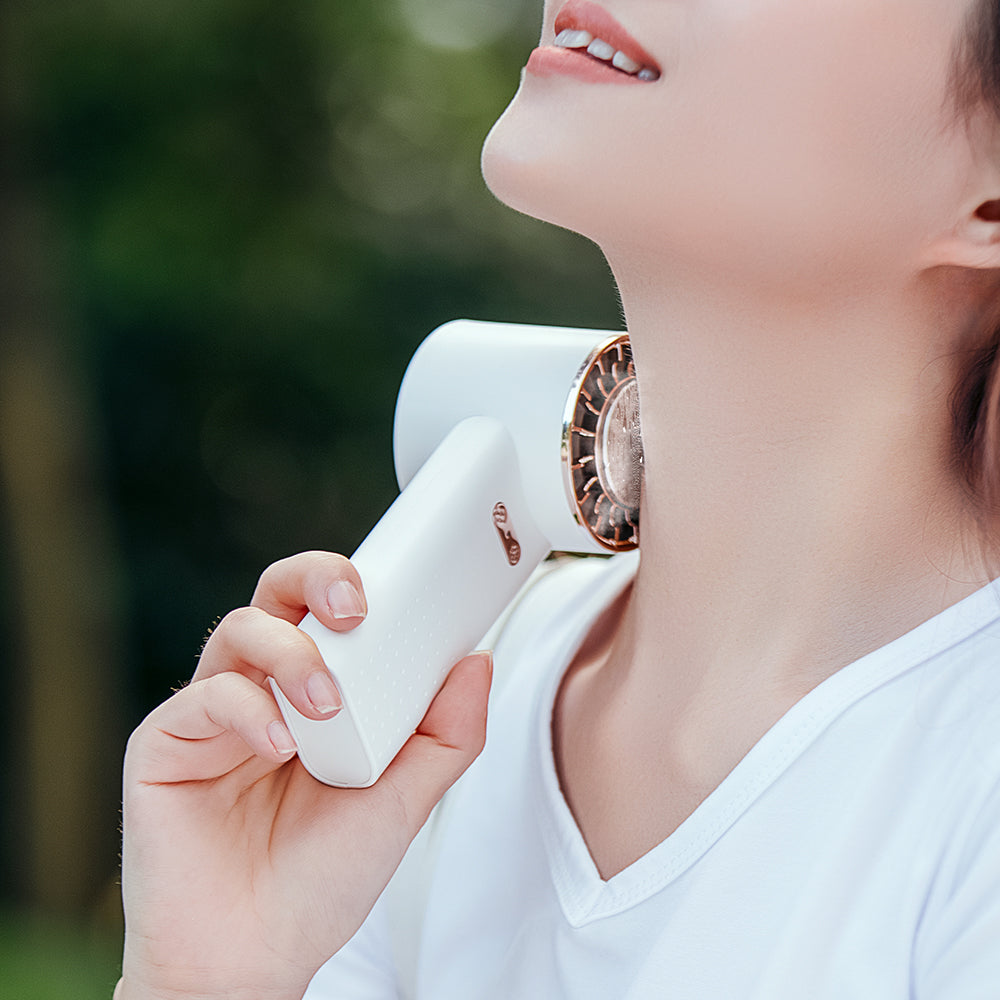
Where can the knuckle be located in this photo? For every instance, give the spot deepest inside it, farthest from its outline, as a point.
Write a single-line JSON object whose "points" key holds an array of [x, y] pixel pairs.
{"points": [[275, 570], [221, 685], [225, 635], [230, 690], [240, 618], [292, 646]]}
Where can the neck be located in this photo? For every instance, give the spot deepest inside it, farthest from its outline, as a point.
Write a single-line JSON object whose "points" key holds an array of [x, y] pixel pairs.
{"points": [[798, 509]]}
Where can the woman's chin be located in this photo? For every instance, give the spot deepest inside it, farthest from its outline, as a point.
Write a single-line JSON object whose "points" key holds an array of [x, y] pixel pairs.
{"points": [[538, 166], [516, 172], [524, 168]]}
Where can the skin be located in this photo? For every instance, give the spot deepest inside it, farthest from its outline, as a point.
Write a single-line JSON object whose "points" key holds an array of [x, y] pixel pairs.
{"points": [[805, 240], [224, 831], [800, 231]]}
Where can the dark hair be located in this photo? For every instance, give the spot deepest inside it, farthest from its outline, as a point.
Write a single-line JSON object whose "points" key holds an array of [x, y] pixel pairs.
{"points": [[976, 67], [976, 401]]}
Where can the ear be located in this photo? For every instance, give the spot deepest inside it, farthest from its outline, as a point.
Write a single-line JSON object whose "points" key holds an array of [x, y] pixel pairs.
{"points": [[973, 243]]}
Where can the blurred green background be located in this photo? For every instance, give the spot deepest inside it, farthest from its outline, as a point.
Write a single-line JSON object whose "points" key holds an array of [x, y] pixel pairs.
{"points": [[225, 228]]}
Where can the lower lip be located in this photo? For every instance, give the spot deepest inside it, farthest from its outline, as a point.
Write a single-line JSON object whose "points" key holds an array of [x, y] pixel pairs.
{"points": [[550, 60]]}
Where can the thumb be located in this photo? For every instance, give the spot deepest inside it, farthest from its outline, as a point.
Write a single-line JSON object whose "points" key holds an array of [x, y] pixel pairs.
{"points": [[447, 741]]}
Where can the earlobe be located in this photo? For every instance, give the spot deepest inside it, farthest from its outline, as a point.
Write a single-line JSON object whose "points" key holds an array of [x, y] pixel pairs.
{"points": [[974, 243]]}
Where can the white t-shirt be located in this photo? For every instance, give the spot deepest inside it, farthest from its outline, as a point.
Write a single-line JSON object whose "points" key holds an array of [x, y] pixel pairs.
{"points": [[853, 854]]}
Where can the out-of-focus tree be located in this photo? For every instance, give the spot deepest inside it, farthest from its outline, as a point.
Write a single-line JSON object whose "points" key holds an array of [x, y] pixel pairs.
{"points": [[255, 210], [64, 675]]}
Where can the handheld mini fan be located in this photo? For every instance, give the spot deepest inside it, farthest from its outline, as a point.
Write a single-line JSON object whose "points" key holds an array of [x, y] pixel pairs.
{"points": [[509, 442]]}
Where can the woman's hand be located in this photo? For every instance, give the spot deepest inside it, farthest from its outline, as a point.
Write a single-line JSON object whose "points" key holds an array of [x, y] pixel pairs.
{"points": [[241, 873]]}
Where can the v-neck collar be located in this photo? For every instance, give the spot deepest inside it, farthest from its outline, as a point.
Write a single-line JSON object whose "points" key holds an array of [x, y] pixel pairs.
{"points": [[583, 894]]}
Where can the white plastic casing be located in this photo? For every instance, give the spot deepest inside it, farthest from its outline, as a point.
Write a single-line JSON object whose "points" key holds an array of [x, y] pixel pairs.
{"points": [[521, 375], [478, 423], [436, 573]]}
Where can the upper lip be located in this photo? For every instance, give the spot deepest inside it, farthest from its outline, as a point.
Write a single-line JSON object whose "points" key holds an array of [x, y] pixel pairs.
{"points": [[584, 15]]}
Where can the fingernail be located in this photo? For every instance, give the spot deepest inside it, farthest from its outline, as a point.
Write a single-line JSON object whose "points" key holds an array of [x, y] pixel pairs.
{"points": [[323, 694], [344, 600], [486, 657], [281, 738]]}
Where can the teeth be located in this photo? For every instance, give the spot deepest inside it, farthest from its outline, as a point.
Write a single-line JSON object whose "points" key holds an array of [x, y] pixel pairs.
{"points": [[571, 38], [600, 49], [621, 61]]}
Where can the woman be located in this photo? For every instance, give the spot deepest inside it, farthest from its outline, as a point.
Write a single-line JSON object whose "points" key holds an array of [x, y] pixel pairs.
{"points": [[764, 764]]}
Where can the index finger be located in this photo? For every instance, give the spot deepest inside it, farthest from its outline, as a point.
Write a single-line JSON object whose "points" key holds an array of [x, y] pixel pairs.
{"points": [[321, 582]]}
